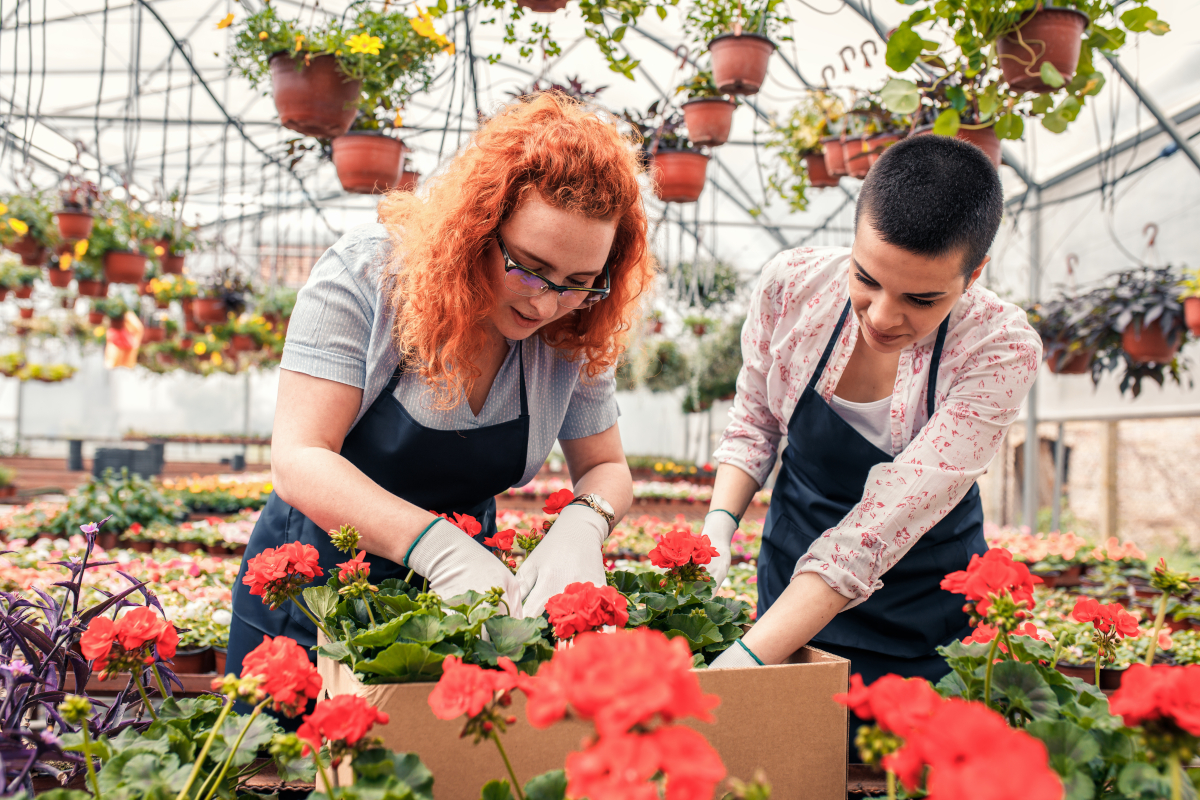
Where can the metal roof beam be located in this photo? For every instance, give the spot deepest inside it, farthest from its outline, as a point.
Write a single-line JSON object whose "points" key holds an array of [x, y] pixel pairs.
{"points": [[1153, 108]]}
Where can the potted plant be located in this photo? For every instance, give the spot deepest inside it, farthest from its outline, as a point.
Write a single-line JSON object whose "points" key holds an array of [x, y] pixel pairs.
{"points": [[89, 274], [8, 482], [75, 217], [224, 293], [1191, 300], [707, 114], [249, 333], [678, 170], [1073, 330], [116, 243], [800, 143], [171, 240], [322, 76], [276, 305], [114, 308], [698, 323], [27, 227], [21, 279], [869, 130], [58, 271], [368, 161], [1145, 309], [654, 321], [738, 41]]}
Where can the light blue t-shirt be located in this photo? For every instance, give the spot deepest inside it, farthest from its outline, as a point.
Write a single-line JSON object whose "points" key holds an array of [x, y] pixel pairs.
{"points": [[341, 330]]}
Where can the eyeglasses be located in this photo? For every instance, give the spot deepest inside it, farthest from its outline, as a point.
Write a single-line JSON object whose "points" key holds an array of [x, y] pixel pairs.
{"points": [[527, 283]]}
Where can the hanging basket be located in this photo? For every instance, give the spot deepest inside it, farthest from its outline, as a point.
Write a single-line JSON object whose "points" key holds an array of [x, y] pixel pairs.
{"points": [[27, 313], [818, 174], [74, 225], [172, 263], [93, 288], [59, 278], [317, 99], [708, 120], [543, 6], [835, 156], [739, 62], [209, 310], [35, 257], [23, 292], [858, 164], [95, 318], [1052, 35], [1060, 362], [124, 266], [242, 343], [150, 335], [368, 163], [1147, 344], [1191, 315], [408, 181], [983, 138], [877, 144], [678, 175], [24, 245]]}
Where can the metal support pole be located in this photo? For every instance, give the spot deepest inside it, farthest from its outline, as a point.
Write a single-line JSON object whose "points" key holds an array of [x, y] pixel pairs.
{"points": [[1030, 489], [1060, 464], [1167, 124], [246, 412]]}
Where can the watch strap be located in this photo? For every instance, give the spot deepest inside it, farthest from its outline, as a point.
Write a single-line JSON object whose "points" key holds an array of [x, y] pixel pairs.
{"points": [[589, 500]]}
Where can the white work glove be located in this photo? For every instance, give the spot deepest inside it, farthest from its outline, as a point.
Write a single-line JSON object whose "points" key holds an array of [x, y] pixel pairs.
{"points": [[571, 552], [737, 656], [455, 563], [719, 527]]}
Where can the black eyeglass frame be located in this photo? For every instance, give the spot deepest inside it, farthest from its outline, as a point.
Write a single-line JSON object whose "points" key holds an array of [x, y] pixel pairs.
{"points": [[602, 293]]}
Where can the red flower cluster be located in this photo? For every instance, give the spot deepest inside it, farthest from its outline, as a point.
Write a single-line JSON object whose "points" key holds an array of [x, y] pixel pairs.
{"points": [[898, 705], [276, 574], [556, 502], [984, 633], [130, 635], [344, 719], [503, 540], [350, 570], [1106, 618], [286, 674], [1160, 694], [992, 575], [620, 768], [469, 689], [678, 548], [585, 607], [465, 523]]}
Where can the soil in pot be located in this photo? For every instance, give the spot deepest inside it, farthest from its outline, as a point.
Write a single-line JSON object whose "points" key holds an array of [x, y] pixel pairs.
{"points": [[679, 175], [92, 288], [858, 163], [1191, 315], [1078, 363], [193, 662], [209, 309], [708, 120], [172, 264], [1148, 344], [1050, 34], [368, 163], [122, 266], [818, 171], [835, 156], [316, 99], [74, 225], [59, 278], [23, 293], [739, 62]]}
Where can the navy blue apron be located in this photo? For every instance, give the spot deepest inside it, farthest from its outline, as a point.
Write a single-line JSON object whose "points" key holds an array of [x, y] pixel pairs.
{"points": [[443, 471], [823, 473]]}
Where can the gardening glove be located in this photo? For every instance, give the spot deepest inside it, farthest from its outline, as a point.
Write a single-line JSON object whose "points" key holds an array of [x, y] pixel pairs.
{"points": [[736, 656], [455, 563], [719, 527], [570, 553]]}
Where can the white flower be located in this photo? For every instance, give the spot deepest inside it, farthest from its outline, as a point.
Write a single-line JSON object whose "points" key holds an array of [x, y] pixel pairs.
{"points": [[222, 617]]}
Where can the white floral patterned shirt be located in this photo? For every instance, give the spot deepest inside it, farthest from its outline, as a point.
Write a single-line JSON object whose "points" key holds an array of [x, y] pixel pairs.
{"points": [[989, 361]]}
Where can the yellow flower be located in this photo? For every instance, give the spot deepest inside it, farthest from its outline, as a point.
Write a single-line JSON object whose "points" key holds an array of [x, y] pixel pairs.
{"points": [[81, 247], [226, 22], [423, 25], [299, 41], [262, 36], [159, 250], [18, 226], [362, 43], [397, 120], [98, 332], [199, 348], [64, 261], [216, 359], [3, 208]]}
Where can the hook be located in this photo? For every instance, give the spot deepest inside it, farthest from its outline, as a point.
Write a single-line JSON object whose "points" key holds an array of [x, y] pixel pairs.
{"points": [[863, 50], [1151, 226], [1072, 263], [842, 53], [683, 56], [832, 74]]}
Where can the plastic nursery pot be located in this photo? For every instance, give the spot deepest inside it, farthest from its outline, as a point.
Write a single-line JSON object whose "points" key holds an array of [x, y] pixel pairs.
{"points": [[123, 266], [818, 172], [172, 264], [368, 163], [191, 326], [154, 335], [858, 163], [1051, 35], [708, 120], [1191, 314], [543, 6], [59, 278], [315, 99], [983, 138], [739, 62], [1079, 363], [23, 245], [1086, 673], [1068, 577], [1148, 344], [678, 175], [34, 258], [835, 156], [193, 662], [92, 288], [27, 313], [242, 343], [95, 318], [877, 144], [408, 181], [74, 224], [219, 659], [209, 309], [699, 329], [107, 541], [23, 293]]}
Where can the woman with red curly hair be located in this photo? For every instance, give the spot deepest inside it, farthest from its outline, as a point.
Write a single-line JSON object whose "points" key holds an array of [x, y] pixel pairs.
{"points": [[434, 358]]}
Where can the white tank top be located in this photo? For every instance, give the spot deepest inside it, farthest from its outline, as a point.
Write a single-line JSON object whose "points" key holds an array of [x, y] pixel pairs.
{"points": [[873, 420]]}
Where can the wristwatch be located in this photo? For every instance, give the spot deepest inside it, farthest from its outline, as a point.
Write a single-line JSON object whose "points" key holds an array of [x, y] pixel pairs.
{"points": [[601, 506]]}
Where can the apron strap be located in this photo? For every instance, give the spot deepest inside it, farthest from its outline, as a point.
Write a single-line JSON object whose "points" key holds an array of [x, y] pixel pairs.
{"points": [[395, 379], [837, 330], [521, 362], [934, 362]]}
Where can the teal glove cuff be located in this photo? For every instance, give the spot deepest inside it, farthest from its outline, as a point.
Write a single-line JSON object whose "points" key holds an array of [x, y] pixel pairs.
{"points": [[736, 521], [751, 652], [417, 540]]}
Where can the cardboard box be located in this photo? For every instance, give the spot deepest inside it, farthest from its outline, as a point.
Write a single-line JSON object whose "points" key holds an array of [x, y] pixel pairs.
{"points": [[780, 719]]}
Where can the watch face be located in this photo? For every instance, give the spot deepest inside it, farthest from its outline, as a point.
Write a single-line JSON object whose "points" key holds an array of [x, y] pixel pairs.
{"points": [[604, 505]]}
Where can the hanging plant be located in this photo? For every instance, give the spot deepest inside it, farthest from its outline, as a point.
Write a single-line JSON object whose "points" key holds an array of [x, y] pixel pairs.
{"points": [[677, 168], [868, 129], [739, 38], [27, 226], [117, 243], [708, 114], [801, 145], [75, 217]]}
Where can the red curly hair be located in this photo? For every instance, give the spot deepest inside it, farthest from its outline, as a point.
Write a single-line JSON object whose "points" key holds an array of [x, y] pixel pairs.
{"points": [[438, 280]]}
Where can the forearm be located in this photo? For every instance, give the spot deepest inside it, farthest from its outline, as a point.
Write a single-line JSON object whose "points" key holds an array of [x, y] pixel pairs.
{"points": [[331, 492], [612, 481], [806, 606], [733, 490]]}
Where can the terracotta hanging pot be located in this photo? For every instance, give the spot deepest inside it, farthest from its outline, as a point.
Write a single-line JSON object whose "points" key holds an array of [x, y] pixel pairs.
{"points": [[835, 156], [23, 292], [92, 288], [27, 313], [95, 318], [818, 173], [983, 138], [242, 343], [708, 120], [74, 225], [739, 62], [191, 326], [1060, 362], [1052, 35], [59, 278], [543, 6], [35, 257], [408, 181], [209, 309], [316, 99], [856, 155], [24, 245], [1148, 344], [1191, 315], [368, 163], [678, 175], [172, 263], [877, 144], [154, 335], [124, 266]]}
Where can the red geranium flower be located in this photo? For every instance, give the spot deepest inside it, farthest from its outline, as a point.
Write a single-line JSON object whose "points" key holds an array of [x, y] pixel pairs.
{"points": [[129, 635], [556, 502], [678, 547], [898, 705], [1106, 618], [354, 567], [585, 607], [97, 641], [345, 719], [287, 675], [468, 689], [464, 522], [991, 575], [1159, 696], [620, 767], [276, 574], [503, 540]]}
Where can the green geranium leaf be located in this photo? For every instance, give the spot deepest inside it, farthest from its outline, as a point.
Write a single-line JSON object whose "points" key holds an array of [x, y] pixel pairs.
{"points": [[395, 605], [496, 790], [1051, 76], [1136, 19], [1025, 690], [509, 638], [380, 635], [1009, 126], [321, 601], [423, 629], [698, 630], [336, 651], [900, 96], [661, 602], [404, 661], [639, 617], [947, 123], [625, 582], [1068, 744], [718, 614], [903, 48], [951, 685], [547, 786], [411, 772], [257, 735], [1141, 780]]}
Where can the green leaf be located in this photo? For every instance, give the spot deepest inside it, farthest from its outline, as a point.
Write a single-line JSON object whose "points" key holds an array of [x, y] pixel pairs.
{"points": [[257, 735], [639, 617], [1009, 126], [1158, 27], [380, 635], [412, 772], [1108, 39], [423, 629], [547, 786], [397, 605], [951, 685], [1051, 76], [618, 33], [989, 102], [625, 582], [1068, 744], [321, 600], [698, 630], [1025, 690], [337, 651], [1062, 116], [1137, 19], [661, 602], [405, 662], [1042, 103], [900, 96], [957, 98], [662, 12], [1141, 780], [496, 790], [947, 123], [509, 637], [718, 614], [903, 48]]}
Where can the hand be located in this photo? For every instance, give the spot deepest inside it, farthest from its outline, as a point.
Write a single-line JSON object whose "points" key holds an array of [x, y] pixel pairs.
{"points": [[455, 563], [719, 527], [736, 656], [570, 553]]}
